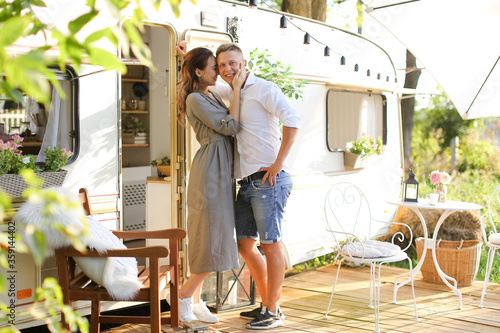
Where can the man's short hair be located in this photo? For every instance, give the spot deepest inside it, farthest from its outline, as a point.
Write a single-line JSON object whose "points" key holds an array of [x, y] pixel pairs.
{"points": [[228, 47]]}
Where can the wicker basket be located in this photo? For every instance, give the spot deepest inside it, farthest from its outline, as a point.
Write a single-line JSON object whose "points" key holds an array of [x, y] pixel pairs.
{"points": [[14, 185], [461, 263]]}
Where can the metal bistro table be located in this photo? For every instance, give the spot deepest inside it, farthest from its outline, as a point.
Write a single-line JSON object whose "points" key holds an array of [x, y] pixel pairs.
{"points": [[449, 207]]}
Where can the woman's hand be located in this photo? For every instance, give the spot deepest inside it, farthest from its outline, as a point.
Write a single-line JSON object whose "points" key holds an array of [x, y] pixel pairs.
{"points": [[240, 77]]}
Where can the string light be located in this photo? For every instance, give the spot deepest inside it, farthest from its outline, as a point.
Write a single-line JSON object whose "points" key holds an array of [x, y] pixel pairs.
{"points": [[387, 79], [283, 22], [252, 3], [307, 38], [307, 41], [327, 51]]}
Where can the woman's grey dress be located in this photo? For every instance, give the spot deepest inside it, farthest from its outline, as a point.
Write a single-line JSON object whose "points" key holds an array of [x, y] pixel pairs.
{"points": [[210, 224]]}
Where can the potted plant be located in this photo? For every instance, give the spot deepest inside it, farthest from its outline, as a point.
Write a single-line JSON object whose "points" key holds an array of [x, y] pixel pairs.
{"points": [[162, 165], [134, 130], [363, 152], [12, 162]]}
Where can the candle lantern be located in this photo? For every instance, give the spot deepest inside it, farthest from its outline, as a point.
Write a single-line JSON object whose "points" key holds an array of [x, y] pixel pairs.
{"points": [[229, 290], [411, 187]]}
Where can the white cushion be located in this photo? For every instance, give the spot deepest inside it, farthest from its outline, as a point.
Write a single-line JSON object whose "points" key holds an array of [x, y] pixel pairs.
{"points": [[494, 239], [370, 249]]}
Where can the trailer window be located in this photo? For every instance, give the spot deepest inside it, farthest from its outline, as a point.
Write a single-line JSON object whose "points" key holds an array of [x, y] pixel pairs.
{"points": [[41, 127], [349, 114]]}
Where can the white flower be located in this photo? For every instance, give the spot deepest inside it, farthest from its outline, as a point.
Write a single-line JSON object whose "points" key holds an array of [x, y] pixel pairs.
{"points": [[349, 145], [445, 178], [26, 160]]}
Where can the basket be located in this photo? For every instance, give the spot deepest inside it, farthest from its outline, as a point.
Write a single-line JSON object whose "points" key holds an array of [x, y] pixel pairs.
{"points": [[14, 185], [458, 260]]}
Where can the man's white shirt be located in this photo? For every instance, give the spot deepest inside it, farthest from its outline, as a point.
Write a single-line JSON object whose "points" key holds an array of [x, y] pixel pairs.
{"points": [[263, 106]]}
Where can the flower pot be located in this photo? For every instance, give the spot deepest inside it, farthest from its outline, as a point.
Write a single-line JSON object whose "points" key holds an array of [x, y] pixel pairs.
{"points": [[14, 185], [356, 161], [163, 170]]}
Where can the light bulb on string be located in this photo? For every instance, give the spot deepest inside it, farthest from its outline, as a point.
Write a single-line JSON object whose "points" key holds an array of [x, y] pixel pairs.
{"points": [[307, 41], [327, 54], [342, 61], [252, 4], [368, 73], [356, 68], [387, 79], [283, 28], [378, 76]]}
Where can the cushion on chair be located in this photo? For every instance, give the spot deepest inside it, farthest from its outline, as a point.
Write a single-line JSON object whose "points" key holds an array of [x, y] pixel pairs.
{"points": [[372, 249], [494, 239], [117, 275]]}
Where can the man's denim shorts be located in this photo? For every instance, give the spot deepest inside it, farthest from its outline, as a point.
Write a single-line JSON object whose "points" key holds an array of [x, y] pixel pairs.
{"points": [[260, 208]]}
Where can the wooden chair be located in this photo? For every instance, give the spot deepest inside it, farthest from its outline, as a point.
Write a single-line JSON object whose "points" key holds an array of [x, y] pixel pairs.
{"points": [[348, 218], [154, 278]]}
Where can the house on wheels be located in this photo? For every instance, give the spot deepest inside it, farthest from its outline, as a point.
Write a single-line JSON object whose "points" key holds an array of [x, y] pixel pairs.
{"points": [[350, 92]]}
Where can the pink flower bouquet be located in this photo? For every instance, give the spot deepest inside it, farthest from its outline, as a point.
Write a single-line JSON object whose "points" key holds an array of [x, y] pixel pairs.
{"points": [[440, 177]]}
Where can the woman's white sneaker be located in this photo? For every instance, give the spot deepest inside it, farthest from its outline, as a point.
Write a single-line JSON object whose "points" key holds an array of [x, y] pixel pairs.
{"points": [[186, 310], [201, 312]]}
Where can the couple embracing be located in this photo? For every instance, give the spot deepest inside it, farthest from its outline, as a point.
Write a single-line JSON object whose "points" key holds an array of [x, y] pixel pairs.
{"points": [[257, 108]]}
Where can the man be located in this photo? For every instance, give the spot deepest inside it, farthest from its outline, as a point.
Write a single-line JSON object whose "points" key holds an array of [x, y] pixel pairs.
{"points": [[265, 181]]}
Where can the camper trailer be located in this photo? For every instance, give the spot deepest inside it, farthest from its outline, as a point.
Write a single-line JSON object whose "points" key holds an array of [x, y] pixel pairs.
{"points": [[342, 100]]}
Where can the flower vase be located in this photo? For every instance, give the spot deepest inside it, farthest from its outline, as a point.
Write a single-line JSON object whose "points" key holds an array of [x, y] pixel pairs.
{"points": [[442, 191]]}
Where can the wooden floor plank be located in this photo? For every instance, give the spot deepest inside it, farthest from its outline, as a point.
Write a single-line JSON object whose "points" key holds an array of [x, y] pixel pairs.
{"points": [[306, 295]]}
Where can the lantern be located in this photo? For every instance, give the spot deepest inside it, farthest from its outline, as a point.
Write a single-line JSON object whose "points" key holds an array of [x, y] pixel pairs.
{"points": [[411, 187]]}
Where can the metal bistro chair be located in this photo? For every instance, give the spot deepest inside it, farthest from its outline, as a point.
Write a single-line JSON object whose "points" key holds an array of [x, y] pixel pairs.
{"points": [[348, 218], [493, 239]]}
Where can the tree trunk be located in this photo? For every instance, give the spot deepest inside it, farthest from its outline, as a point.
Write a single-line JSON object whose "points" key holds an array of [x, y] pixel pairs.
{"points": [[315, 9], [318, 10], [408, 106], [297, 7]]}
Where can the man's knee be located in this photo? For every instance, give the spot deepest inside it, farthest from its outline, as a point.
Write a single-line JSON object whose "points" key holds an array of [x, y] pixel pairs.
{"points": [[247, 247]]}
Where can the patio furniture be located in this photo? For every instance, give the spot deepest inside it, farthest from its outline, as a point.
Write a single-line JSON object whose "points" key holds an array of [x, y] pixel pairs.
{"points": [[448, 207], [348, 218], [493, 239], [154, 278]]}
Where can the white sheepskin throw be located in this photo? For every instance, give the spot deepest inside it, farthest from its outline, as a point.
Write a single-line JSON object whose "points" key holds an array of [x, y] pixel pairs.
{"points": [[118, 275]]}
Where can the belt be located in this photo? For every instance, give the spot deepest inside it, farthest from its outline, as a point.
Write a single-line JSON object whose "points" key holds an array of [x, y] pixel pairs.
{"points": [[254, 176], [213, 138]]}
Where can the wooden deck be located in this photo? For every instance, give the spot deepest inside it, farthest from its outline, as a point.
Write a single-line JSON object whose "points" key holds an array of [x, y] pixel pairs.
{"points": [[306, 295]]}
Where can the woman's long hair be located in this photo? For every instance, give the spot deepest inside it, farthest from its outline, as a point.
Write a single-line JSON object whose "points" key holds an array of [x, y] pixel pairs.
{"points": [[195, 59]]}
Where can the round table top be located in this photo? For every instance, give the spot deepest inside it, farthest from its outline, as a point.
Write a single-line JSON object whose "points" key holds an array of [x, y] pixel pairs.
{"points": [[448, 204]]}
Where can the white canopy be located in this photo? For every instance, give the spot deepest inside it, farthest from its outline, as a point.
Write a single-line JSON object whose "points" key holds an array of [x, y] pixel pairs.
{"points": [[456, 41]]}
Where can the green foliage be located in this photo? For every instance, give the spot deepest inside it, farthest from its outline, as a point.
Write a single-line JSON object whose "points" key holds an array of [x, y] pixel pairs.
{"points": [[270, 69], [56, 158], [31, 72], [366, 145], [161, 161], [132, 124]]}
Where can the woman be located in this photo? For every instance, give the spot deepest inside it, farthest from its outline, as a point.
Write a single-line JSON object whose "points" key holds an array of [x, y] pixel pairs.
{"points": [[211, 227]]}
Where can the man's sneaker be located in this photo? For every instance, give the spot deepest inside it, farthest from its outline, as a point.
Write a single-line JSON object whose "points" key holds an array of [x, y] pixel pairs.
{"points": [[252, 314], [201, 312], [265, 321], [255, 312]]}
